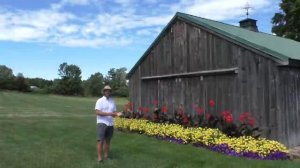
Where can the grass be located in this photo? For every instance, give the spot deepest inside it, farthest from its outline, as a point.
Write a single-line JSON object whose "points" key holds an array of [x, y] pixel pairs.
{"points": [[41, 131]]}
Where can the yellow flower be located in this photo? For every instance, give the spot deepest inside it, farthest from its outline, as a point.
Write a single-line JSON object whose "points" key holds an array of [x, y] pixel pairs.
{"points": [[207, 136]]}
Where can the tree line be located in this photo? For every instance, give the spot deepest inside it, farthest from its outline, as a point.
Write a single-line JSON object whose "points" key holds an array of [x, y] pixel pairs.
{"points": [[69, 82], [286, 22]]}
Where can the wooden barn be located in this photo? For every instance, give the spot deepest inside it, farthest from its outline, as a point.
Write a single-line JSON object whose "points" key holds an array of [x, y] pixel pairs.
{"points": [[194, 60]]}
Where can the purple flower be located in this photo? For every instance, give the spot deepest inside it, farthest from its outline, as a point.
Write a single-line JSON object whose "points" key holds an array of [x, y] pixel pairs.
{"points": [[225, 149]]}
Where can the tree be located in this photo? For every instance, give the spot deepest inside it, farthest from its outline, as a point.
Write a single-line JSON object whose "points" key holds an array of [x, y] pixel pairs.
{"points": [[94, 84], [70, 82], [116, 78], [287, 22], [39, 82], [44, 86], [6, 78], [21, 84]]}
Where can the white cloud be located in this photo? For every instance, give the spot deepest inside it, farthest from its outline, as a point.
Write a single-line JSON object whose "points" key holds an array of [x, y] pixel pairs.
{"points": [[144, 32], [108, 24], [62, 3], [109, 28], [77, 2], [125, 3], [54, 25], [151, 1], [79, 42], [21, 34], [219, 9], [149, 32], [68, 29], [29, 25]]}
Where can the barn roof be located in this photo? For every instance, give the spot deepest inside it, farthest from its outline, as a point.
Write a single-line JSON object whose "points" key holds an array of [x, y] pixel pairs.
{"points": [[278, 47]]}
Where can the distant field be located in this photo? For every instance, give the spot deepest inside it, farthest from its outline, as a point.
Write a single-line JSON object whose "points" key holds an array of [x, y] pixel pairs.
{"points": [[47, 131]]}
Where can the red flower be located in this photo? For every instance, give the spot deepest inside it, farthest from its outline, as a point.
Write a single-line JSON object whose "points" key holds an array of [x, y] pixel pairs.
{"points": [[229, 119], [164, 109], [199, 110], [242, 118], [212, 103], [226, 113], [146, 110], [185, 120], [227, 116], [251, 121], [140, 109], [247, 118]]}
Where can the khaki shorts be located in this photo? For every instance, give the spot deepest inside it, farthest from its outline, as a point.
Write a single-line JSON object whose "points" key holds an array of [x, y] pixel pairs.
{"points": [[104, 132]]}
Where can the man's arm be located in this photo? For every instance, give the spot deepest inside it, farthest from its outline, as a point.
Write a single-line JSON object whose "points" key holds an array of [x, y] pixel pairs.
{"points": [[101, 113]]}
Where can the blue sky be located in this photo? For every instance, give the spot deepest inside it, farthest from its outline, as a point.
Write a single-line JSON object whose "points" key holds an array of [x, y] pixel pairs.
{"points": [[36, 36]]}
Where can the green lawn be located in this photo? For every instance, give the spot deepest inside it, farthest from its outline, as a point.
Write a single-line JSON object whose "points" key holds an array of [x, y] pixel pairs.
{"points": [[40, 131]]}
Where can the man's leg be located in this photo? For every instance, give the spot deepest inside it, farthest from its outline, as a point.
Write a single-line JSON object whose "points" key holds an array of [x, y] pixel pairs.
{"points": [[106, 147], [100, 150], [109, 134], [100, 139]]}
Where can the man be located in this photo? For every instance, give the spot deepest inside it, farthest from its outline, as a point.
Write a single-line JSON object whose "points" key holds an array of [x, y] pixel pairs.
{"points": [[105, 111]]}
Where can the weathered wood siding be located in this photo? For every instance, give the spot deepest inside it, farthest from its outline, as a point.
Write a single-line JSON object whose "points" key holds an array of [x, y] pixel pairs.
{"points": [[272, 93], [135, 88], [289, 107], [256, 93], [257, 87], [186, 48]]}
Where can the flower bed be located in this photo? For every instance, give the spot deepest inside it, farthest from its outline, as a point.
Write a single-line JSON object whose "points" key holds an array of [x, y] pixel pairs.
{"points": [[197, 117], [213, 139]]}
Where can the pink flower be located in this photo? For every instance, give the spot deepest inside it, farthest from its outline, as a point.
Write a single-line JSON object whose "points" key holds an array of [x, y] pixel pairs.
{"points": [[140, 109]]}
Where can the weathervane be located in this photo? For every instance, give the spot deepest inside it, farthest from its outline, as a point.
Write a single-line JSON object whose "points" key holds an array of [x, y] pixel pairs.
{"points": [[247, 8]]}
